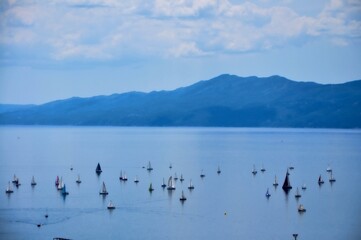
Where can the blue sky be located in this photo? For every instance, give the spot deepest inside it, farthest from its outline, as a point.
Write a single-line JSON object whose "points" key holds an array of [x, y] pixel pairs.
{"points": [[57, 49]]}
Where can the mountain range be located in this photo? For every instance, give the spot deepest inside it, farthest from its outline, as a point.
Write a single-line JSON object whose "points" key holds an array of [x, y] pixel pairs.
{"points": [[226, 100]]}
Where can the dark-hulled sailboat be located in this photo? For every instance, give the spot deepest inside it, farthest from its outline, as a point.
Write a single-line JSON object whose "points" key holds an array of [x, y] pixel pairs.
{"points": [[286, 185], [98, 170]]}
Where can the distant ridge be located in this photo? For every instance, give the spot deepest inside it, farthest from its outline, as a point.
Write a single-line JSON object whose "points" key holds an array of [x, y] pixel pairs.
{"points": [[226, 100]]}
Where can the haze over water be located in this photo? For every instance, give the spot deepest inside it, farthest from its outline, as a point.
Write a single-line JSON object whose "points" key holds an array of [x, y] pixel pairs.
{"points": [[231, 205]]}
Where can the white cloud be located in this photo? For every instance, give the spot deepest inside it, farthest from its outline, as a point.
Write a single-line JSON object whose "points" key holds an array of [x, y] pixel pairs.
{"points": [[111, 29]]}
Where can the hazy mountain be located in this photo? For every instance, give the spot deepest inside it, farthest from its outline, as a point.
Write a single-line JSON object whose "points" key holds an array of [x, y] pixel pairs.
{"points": [[226, 100]]}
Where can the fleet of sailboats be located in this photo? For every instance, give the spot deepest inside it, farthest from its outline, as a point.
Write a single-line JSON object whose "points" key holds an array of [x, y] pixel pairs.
{"points": [[171, 186]]}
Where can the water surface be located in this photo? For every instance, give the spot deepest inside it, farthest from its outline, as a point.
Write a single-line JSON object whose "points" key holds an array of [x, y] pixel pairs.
{"points": [[231, 205]]}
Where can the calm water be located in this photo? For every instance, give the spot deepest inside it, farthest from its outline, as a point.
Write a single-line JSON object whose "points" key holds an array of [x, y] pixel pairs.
{"points": [[231, 205]]}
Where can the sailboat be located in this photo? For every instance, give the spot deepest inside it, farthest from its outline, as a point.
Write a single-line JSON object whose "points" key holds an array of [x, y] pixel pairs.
{"points": [[320, 180], [15, 179], [254, 171], [202, 174], [263, 169], [297, 195], [60, 184], [149, 168], [332, 179], [17, 183], [182, 198], [171, 185], [78, 180], [103, 191], [151, 189], [121, 176], [57, 181], [98, 170], [218, 170], [125, 178], [286, 184], [9, 189], [329, 169], [268, 194], [33, 183], [136, 179], [301, 208], [275, 183], [64, 192], [163, 184], [191, 187], [181, 178], [304, 186], [111, 206], [175, 177], [170, 166]]}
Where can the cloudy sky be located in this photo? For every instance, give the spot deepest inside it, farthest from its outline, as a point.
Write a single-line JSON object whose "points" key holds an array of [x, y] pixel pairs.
{"points": [[55, 49]]}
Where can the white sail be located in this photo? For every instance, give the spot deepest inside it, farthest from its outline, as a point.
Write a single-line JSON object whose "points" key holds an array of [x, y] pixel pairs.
{"points": [[33, 181], [171, 185], [104, 189], [78, 180]]}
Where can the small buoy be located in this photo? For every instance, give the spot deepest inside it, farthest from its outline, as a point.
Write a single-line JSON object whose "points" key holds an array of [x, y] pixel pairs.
{"points": [[39, 225], [225, 213], [46, 216]]}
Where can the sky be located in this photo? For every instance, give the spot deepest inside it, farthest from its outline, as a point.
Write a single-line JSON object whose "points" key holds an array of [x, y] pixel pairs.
{"points": [[57, 49]]}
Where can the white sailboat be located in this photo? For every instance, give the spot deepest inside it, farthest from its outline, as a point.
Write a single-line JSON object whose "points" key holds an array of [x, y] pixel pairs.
{"points": [[171, 185], [111, 205], [254, 171], [175, 177], [183, 197], [121, 176], [263, 169], [15, 179], [136, 180], [202, 174], [125, 178], [149, 168], [297, 195], [60, 184], [78, 180], [163, 184], [191, 187], [181, 178], [332, 179], [275, 183], [304, 186], [301, 208], [218, 170], [9, 189], [33, 183], [103, 191], [328, 169]]}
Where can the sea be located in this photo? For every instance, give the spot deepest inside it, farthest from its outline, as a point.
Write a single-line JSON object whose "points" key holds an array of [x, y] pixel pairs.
{"points": [[228, 205]]}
